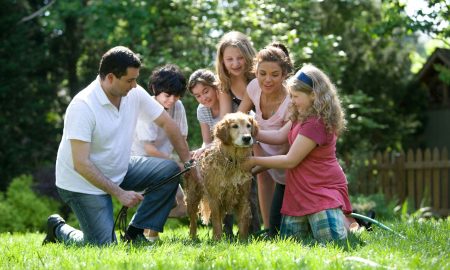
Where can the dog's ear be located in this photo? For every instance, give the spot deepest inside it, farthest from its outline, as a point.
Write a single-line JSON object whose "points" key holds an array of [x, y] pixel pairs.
{"points": [[255, 127], [221, 131]]}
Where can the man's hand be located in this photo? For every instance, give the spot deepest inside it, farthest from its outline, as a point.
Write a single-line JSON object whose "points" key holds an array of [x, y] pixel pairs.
{"points": [[129, 198]]}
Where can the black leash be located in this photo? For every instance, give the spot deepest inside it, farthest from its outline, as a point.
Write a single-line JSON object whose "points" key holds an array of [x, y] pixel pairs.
{"points": [[121, 219]]}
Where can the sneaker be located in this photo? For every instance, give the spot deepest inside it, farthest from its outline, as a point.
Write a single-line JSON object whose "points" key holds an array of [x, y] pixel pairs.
{"points": [[153, 239], [53, 222], [139, 240]]}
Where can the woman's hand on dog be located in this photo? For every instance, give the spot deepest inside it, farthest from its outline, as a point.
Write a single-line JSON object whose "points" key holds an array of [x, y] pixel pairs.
{"points": [[258, 169], [197, 153]]}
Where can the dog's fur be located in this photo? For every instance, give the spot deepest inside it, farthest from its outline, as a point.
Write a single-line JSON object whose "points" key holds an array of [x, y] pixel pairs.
{"points": [[226, 186]]}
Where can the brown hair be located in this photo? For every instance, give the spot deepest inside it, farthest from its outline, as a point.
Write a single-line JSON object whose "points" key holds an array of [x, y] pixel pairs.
{"points": [[203, 76], [275, 52]]}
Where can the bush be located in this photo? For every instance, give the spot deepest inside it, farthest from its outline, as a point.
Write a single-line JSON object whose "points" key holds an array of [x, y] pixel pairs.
{"points": [[384, 209], [22, 210]]}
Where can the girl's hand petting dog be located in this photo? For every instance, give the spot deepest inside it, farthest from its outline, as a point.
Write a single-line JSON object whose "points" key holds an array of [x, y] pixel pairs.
{"points": [[248, 164]]}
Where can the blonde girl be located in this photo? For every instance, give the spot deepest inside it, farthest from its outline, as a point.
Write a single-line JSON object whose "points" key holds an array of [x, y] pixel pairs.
{"points": [[316, 194], [234, 60]]}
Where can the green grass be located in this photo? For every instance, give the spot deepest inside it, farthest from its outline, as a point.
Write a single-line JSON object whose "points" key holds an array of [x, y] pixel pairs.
{"points": [[426, 247]]}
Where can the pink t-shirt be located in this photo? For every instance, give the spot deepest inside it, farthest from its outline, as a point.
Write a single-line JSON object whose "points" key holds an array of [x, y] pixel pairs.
{"points": [[275, 122], [318, 182]]}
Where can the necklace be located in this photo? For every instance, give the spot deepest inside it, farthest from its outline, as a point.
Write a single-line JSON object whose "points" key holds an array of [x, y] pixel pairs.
{"points": [[277, 105], [274, 104]]}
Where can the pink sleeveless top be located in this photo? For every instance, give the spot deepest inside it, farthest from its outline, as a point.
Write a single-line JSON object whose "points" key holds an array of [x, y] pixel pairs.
{"points": [[275, 122]]}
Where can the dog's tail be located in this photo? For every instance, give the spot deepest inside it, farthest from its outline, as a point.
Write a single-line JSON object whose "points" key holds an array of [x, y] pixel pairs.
{"points": [[205, 211]]}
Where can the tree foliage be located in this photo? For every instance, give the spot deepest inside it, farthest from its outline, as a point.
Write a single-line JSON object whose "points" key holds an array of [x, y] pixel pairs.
{"points": [[362, 45]]}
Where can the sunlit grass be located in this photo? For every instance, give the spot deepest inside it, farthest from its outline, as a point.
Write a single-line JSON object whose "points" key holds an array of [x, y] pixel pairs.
{"points": [[426, 247]]}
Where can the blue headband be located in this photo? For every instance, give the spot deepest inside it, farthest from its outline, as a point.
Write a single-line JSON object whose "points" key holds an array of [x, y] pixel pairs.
{"points": [[305, 79]]}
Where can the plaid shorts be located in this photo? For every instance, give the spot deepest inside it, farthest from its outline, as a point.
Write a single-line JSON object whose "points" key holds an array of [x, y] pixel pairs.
{"points": [[325, 225]]}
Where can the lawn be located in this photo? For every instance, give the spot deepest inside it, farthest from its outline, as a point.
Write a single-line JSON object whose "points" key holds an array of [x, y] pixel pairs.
{"points": [[426, 246]]}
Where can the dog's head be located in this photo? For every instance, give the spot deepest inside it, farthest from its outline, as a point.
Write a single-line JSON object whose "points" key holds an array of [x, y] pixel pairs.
{"points": [[236, 129]]}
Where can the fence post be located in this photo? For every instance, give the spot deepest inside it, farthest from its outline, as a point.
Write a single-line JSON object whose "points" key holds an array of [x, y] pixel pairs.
{"points": [[426, 200], [399, 177], [410, 176], [419, 179], [436, 196], [445, 190], [385, 174]]}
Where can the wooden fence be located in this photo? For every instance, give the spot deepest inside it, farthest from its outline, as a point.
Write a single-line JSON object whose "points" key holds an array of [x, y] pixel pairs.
{"points": [[421, 177]]}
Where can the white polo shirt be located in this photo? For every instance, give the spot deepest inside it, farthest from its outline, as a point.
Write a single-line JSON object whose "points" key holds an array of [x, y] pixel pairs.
{"points": [[91, 117]]}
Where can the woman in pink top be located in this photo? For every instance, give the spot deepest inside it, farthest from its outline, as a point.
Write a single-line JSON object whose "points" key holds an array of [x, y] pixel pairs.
{"points": [[270, 100], [316, 195]]}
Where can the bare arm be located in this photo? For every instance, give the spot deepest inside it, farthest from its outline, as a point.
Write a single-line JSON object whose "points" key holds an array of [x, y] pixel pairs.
{"points": [[173, 132], [84, 166], [152, 151], [301, 147], [246, 104], [275, 136], [206, 136], [225, 103], [206, 133]]}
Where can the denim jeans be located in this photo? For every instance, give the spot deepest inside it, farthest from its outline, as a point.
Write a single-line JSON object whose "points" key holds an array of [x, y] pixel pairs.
{"points": [[95, 212]]}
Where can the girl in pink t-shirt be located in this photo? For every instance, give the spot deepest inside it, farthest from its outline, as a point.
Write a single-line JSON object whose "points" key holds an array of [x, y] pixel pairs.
{"points": [[316, 195]]}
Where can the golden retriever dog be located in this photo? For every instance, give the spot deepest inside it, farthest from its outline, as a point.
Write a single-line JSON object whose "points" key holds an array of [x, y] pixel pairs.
{"points": [[226, 186]]}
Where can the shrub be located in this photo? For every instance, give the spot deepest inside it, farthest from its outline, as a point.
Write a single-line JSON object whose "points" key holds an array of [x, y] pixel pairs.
{"points": [[22, 210], [377, 202]]}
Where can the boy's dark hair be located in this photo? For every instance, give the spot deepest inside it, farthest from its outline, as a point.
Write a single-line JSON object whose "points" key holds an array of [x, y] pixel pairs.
{"points": [[116, 61], [167, 79]]}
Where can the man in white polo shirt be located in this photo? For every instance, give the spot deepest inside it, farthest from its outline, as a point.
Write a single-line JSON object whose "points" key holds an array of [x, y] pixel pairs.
{"points": [[93, 161]]}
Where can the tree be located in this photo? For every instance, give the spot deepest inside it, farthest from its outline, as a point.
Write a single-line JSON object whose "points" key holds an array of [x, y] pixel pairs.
{"points": [[362, 45], [30, 112]]}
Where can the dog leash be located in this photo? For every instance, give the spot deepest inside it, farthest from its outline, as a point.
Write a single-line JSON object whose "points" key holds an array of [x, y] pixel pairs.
{"points": [[121, 219]]}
